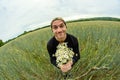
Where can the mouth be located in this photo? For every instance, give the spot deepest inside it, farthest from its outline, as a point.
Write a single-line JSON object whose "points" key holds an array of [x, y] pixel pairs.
{"points": [[60, 33]]}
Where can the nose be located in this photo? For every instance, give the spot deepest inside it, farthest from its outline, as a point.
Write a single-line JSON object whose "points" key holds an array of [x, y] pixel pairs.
{"points": [[59, 29]]}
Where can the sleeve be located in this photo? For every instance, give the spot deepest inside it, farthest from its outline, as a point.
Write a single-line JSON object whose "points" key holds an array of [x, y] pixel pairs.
{"points": [[51, 54], [76, 56]]}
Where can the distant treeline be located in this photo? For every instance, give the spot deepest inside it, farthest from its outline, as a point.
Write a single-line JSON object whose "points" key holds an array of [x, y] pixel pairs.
{"points": [[97, 18], [1, 43], [78, 20]]}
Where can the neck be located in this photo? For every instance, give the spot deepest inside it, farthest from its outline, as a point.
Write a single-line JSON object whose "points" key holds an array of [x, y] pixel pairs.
{"points": [[62, 39]]}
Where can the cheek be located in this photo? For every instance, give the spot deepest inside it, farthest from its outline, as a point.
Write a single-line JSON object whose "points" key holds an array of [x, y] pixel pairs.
{"points": [[54, 31], [64, 29]]}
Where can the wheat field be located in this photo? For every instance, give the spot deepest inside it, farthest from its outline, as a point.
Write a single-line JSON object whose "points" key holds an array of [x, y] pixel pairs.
{"points": [[26, 57]]}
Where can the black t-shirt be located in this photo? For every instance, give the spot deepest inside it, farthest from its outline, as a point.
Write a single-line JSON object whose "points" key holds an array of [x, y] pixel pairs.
{"points": [[72, 43]]}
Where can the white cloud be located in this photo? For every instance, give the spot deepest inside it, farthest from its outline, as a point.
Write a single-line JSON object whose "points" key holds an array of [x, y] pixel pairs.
{"points": [[17, 16]]}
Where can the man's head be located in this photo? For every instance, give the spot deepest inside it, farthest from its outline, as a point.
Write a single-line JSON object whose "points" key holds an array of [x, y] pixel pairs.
{"points": [[58, 18], [59, 28]]}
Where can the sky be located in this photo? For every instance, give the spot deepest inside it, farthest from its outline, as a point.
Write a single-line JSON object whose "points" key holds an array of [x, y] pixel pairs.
{"points": [[17, 16]]}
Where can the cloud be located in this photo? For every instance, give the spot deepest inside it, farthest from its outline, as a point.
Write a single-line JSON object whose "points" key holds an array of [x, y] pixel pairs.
{"points": [[17, 16], [90, 6]]}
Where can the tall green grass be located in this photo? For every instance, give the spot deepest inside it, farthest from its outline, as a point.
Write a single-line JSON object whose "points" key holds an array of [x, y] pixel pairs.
{"points": [[26, 58]]}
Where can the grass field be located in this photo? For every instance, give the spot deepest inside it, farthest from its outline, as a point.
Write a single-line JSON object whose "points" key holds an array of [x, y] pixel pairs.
{"points": [[26, 57]]}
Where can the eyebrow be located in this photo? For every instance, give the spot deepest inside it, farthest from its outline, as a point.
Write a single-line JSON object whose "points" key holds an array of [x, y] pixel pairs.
{"points": [[59, 24]]}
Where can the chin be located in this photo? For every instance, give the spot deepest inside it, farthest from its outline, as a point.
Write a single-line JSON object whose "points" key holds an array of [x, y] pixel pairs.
{"points": [[60, 37]]}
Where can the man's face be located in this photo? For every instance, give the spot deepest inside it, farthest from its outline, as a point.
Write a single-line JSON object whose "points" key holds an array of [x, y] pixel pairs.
{"points": [[59, 29]]}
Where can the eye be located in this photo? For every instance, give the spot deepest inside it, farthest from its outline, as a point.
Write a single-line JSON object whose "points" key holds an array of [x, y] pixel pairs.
{"points": [[55, 27], [62, 25]]}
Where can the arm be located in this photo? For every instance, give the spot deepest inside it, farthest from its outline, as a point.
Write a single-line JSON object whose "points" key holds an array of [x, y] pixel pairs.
{"points": [[51, 54], [76, 56], [66, 67]]}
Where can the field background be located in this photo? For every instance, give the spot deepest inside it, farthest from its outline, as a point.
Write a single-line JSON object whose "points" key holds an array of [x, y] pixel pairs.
{"points": [[26, 57]]}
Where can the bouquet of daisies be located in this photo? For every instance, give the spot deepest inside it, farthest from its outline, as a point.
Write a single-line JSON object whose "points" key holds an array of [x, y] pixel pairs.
{"points": [[63, 54]]}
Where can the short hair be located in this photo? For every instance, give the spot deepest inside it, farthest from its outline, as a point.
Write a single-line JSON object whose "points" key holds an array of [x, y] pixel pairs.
{"points": [[57, 18]]}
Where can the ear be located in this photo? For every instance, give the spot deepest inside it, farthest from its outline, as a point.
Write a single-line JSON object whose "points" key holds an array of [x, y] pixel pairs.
{"points": [[51, 30], [66, 26]]}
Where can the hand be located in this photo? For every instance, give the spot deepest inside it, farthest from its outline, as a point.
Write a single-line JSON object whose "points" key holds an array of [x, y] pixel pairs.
{"points": [[66, 67]]}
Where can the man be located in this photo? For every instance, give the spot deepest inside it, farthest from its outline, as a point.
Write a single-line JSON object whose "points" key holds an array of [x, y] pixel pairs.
{"points": [[59, 30]]}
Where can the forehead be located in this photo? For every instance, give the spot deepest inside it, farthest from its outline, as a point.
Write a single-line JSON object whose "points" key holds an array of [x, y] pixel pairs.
{"points": [[57, 22]]}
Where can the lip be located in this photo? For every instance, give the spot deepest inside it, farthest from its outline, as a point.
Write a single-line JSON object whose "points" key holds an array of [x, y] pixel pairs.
{"points": [[61, 33]]}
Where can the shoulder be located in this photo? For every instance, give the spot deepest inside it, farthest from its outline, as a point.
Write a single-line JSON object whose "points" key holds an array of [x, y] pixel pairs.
{"points": [[71, 36], [50, 41], [73, 39]]}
